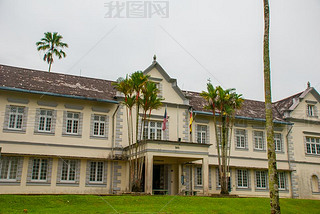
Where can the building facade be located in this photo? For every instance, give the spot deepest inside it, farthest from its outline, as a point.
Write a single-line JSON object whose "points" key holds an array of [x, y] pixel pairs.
{"points": [[64, 134]]}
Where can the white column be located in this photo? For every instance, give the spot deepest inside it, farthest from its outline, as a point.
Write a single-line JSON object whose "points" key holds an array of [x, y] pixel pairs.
{"points": [[148, 174], [205, 173]]}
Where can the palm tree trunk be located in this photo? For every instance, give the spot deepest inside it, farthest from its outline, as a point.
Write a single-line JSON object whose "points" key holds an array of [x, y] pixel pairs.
{"points": [[272, 164], [50, 63]]}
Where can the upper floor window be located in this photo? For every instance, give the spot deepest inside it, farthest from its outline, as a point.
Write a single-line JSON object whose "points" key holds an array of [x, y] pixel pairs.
{"points": [[313, 145], [258, 140], [72, 123], [261, 179], [152, 130], [201, 133], [242, 178], [99, 122], [39, 169], [45, 120], [311, 110], [8, 168], [16, 117], [240, 137], [278, 142], [96, 171]]}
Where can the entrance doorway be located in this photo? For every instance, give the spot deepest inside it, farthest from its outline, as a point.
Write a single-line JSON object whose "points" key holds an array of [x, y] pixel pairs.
{"points": [[160, 179]]}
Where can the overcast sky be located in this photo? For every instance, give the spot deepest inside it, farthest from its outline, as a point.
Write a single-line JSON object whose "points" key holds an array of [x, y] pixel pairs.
{"points": [[216, 39]]}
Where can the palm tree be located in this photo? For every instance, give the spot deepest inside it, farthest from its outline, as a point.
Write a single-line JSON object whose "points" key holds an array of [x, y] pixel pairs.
{"points": [[272, 164], [225, 102], [51, 44]]}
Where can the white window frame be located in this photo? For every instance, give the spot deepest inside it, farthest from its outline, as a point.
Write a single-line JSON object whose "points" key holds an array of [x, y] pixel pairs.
{"points": [[99, 122], [311, 110], [239, 138], [148, 130], [313, 145], [42, 163], [17, 117], [202, 134], [96, 171], [278, 142], [242, 178], [261, 178], [12, 164], [199, 176], [69, 168], [258, 140], [45, 115], [282, 185], [75, 122]]}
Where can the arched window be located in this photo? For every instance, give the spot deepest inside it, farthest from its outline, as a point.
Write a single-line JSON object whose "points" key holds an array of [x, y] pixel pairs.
{"points": [[315, 183]]}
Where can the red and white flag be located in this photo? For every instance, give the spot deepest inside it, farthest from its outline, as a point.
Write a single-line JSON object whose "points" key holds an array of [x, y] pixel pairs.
{"points": [[165, 119]]}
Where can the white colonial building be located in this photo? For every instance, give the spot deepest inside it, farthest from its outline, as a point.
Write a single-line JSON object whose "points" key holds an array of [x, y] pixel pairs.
{"points": [[63, 134]]}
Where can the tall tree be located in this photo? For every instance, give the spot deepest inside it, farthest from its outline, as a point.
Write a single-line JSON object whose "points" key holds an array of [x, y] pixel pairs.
{"points": [[225, 103], [52, 45], [272, 164]]}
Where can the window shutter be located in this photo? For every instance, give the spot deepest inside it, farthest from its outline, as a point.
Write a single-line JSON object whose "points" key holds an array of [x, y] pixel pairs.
{"points": [[210, 182], [88, 172], [25, 119], [160, 90], [105, 172], [49, 170], [30, 167], [53, 122], [19, 169], [78, 166], [237, 176], [208, 135], [235, 138], [217, 178], [80, 123], [253, 140], [307, 110], [59, 170], [281, 138], [315, 110], [36, 120], [195, 133], [106, 130], [195, 180], [6, 117], [246, 139], [64, 122], [139, 128], [92, 125]]}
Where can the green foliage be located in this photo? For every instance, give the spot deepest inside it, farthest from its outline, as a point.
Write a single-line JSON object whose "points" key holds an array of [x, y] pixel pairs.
{"points": [[151, 204], [52, 45]]}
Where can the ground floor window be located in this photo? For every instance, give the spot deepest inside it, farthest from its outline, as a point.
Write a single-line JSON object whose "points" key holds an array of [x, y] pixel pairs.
{"points": [[261, 179], [68, 172], [242, 175], [8, 168], [199, 176], [282, 180], [39, 169], [96, 171]]}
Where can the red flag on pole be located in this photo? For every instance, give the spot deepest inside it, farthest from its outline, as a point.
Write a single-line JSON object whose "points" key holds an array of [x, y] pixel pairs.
{"points": [[165, 119]]}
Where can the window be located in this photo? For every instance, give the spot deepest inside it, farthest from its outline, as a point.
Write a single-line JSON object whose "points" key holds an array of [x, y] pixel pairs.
{"points": [[315, 183], [72, 123], [258, 140], [96, 171], [282, 180], [240, 138], [152, 130], [201, 133], [45, 120], [68, 172], [8, 168], [99, 123], [313, 145], [278, 142], [199, 176], [242, 178], [261, 179], [311, 110], [15, 117], [39, 169]]}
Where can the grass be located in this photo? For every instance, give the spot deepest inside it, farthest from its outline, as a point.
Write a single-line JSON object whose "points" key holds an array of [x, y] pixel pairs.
{"points": [[147, 204]]}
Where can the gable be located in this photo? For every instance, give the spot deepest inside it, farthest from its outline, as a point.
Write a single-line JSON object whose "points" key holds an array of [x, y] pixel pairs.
{"points": [[169, 89]]}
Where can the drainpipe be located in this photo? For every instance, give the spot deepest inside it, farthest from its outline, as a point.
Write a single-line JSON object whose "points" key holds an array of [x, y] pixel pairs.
{"points": [[112, 149], [287, 141]]}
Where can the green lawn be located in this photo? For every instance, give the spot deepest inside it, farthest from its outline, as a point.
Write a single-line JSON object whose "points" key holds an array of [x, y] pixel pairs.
{"points": [[147, 204]]}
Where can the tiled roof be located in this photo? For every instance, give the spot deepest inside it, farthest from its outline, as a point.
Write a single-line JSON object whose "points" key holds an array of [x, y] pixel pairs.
{"points": [[49, 82]]}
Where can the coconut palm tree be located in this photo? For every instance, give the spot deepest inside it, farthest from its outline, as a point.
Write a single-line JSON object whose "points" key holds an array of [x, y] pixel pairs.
{"points": [[52, 45], [225, 103], [272, 164]]}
